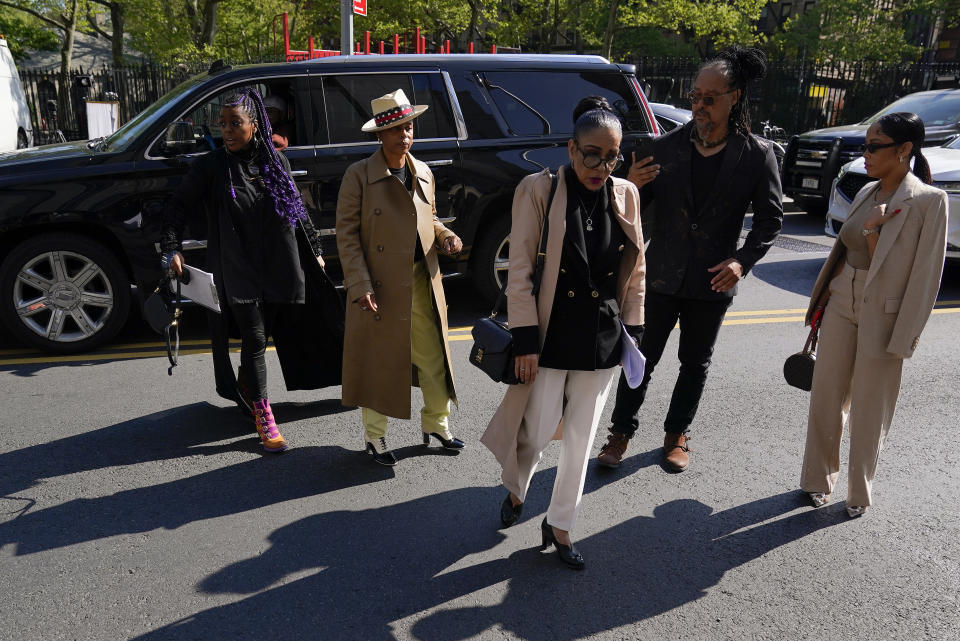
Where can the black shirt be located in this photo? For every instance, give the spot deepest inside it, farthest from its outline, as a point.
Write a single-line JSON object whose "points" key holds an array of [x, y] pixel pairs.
{"points": [[703, 175]]}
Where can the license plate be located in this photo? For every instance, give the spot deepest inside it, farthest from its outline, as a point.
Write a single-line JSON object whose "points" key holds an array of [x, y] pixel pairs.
{"points": [[811, 183]]}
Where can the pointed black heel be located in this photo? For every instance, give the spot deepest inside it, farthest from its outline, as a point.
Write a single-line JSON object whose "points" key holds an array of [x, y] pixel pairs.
{"points": [[451, 443], [510, 513], [570, 556]]}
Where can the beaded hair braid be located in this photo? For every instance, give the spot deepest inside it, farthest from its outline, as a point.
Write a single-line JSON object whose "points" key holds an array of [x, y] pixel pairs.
{"points": [[280, 186]]}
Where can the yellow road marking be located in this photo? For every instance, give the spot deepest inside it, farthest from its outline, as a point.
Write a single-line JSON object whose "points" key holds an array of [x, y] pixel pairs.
{"points": [[760, 317]]}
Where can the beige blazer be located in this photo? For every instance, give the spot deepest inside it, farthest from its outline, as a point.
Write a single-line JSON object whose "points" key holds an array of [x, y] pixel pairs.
{"points": [[377, 221], [904, 275], [523, 310]]}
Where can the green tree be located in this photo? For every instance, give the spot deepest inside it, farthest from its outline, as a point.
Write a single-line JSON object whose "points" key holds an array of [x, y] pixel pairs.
{"points": [[25, 33], [853, 30]]}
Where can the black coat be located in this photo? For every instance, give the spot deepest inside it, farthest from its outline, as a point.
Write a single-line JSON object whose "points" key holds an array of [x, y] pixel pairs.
{"points": [[685, 242], [308, 336]]}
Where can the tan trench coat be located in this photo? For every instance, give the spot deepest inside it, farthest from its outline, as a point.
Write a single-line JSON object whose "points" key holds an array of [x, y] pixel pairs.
{"points": [[904, 275], [523, 310], [376, 223]]}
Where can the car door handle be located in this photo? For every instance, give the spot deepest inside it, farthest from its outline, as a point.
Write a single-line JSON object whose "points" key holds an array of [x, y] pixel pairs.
{"points": [[438, 163], [298, 172]]}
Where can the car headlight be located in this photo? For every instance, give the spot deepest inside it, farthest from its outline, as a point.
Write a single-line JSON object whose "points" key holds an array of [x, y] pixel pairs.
{"points": [[949, 186]]}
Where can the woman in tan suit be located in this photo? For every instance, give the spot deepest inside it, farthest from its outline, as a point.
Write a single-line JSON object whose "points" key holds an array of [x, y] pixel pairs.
{"points": [[878, 285], [568, 337], [388, 236]]}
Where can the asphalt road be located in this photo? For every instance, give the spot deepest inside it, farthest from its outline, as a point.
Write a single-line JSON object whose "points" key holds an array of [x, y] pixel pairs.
{"points": [[134, 505]]}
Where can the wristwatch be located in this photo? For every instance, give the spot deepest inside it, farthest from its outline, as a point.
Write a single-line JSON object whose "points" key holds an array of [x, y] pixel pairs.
{"points": [[867, 232]]}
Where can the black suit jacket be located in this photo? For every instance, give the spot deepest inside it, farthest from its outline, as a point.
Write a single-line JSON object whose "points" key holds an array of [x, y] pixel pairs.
{"points": [[685, 242]]}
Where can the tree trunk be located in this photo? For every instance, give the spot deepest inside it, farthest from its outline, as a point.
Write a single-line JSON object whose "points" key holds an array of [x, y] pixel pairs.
{"points": [[66, 61], [117, 18], [209, 21], [611, 27]]}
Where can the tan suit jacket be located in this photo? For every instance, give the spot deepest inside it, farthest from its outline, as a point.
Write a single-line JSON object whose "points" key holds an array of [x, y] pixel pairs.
{"points": [[523, 310], [377, 222], [904, 275]]}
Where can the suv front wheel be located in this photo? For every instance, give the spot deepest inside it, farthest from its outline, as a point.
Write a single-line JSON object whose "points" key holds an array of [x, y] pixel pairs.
{"points": [[63, 293], [491, 259]]}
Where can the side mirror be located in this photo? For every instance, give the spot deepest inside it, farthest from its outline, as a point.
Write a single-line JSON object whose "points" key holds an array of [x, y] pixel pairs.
{"points": [[179, 138]]}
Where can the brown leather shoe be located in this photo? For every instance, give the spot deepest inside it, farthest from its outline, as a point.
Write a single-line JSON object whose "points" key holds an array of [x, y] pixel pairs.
{"points": [[675, 449], [612, 453]]}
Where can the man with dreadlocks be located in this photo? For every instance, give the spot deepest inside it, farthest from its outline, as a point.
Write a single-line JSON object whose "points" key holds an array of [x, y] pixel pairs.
{"points": [[696, 190], [265, 256]]}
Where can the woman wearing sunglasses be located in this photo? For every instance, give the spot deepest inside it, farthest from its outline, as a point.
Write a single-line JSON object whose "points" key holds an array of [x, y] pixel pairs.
{"points": [[878, 286], [567, 336]]}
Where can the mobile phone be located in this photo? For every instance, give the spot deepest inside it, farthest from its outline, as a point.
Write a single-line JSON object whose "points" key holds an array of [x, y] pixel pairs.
{"points": [[644, 148]]}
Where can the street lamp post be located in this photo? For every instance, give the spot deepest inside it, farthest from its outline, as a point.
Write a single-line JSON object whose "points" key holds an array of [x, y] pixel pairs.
{"points": [[346, 27]]}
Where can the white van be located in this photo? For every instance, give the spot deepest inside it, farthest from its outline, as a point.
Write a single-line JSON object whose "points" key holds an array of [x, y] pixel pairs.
{"points": [[16, 131]]}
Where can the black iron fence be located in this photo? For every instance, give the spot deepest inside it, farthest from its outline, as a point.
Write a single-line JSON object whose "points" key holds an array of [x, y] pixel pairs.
{"points": [[795, 95], [800, 96]]}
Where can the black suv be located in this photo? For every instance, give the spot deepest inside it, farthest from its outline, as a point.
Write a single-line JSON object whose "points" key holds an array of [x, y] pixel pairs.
{"points": [[814, 159], [79, 222]]}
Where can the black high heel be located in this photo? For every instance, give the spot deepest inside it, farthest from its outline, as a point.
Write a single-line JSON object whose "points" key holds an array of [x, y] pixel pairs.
{"points": [[566, 553], [510, 513], [451, 443]]}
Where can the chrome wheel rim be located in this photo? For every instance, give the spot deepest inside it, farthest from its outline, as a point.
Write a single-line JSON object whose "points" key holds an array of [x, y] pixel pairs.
{"points": [[501, 261], [62, 296]]}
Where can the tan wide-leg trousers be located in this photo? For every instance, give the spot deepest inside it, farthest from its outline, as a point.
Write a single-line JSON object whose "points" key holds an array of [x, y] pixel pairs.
{"points": [[578, 398], [847, 384]]}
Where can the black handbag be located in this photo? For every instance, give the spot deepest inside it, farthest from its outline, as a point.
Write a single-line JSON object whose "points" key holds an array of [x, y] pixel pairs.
{"points": [[798, 368], [492, 349], [162, 312]]}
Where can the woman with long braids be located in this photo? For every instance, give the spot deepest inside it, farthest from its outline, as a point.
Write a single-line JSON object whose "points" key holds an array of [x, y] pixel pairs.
{"points": [[878, 288], [701, 180], [265, 256]]}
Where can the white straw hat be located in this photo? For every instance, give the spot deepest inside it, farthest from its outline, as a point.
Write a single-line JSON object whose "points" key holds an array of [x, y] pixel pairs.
{"points": [[391, 110]]}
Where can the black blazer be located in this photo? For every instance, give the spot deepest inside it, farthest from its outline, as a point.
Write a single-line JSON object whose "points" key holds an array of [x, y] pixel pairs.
{"points": [[685, 242]]}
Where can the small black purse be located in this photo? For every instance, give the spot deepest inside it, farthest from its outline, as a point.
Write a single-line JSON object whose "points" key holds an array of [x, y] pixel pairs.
{"points": [[162, 312], [798, 368], [492, 349]]}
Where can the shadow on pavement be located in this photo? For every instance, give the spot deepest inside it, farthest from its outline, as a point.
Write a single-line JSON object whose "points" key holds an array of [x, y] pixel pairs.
{"points": [[362, 579]]}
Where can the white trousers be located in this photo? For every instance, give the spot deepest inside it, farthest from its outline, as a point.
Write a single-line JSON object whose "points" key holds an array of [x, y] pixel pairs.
{"points": [[577, 398]]}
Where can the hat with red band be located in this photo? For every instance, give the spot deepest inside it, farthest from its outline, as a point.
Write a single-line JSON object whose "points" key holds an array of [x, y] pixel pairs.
{"points": [[391, 110]]}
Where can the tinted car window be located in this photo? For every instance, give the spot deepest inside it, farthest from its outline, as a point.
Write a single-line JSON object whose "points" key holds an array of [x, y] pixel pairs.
{"points": [[348, 98], [934, 109], [532, 102]]}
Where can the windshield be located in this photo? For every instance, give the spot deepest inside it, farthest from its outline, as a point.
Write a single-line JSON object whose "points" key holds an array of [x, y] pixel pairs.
{"points": [[937, 109], [132, 130], [953, 144]]}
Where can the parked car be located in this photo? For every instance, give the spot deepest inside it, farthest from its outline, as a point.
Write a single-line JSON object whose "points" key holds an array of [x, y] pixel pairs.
{"points": [[16, 130], [670, 117], [945, 170], [79, 222], [814, 158]]}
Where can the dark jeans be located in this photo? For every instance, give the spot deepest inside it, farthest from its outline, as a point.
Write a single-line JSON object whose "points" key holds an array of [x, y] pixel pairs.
{"points": [[700, 322], [254, 321]]}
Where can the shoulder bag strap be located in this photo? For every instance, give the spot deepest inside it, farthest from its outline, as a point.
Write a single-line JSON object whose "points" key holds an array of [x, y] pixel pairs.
{"points": [[541, 252]]}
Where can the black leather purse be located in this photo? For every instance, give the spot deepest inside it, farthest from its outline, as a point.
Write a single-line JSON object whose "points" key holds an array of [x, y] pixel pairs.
{"points": [[798, 368], [492, 349]]}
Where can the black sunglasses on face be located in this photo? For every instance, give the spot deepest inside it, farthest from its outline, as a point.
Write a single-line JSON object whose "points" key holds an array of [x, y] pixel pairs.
{"points": [[874, 147], [592, 161], [708, 101]]}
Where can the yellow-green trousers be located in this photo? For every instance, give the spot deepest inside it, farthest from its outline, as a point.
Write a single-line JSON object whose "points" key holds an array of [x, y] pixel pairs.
{"points": [[427, 354]]}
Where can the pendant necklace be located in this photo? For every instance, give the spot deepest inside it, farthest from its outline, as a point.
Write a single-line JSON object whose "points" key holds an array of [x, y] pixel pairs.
{"points": [[583, 207]]}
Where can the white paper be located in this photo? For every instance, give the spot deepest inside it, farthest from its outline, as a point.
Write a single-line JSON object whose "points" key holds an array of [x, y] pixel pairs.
{"points": [[632, 360], [201, 289]]}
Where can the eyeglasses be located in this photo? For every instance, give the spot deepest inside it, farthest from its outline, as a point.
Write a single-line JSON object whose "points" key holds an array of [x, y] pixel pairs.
{"points": [[874, 147], [592, 161], [708, 101]]}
